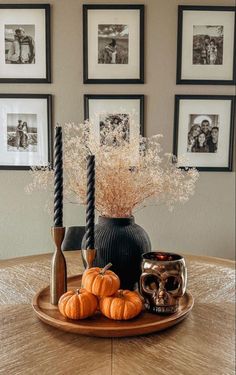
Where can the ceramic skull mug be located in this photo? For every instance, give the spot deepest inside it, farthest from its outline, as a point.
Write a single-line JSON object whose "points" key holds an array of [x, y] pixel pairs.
{"points": [[163, 281]]}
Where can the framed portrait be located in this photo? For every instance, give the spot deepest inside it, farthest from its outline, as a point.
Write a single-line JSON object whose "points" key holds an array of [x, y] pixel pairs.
{"points": [[25, 43], [25, 130], [203, 131], [206, 45], [113, 37], [101, 110]]}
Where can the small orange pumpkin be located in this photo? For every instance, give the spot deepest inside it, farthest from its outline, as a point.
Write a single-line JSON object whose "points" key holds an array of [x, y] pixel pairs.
{"points": [[101, 281], [79, 304], [123, 305]]}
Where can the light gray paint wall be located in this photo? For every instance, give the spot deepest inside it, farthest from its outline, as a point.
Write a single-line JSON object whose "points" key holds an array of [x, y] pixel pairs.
{"points": [[205, 225]]}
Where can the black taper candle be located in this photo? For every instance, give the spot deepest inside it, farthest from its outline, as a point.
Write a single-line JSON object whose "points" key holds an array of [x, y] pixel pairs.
{"points": [[58, 178], [90, 209]]}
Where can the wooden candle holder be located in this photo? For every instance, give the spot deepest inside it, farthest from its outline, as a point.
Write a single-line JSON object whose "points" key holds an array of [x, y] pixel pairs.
{"points": [[58, 281]]}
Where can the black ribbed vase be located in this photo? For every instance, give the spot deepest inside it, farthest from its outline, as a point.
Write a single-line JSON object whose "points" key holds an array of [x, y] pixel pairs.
{"points": [[121, 242]]}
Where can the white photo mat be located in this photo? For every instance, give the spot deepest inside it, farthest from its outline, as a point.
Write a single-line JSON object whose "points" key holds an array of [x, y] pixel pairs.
{"points": [[131, 107], [214, 72], [220, 107], [131, 18], [31, 106], [24, 17]]}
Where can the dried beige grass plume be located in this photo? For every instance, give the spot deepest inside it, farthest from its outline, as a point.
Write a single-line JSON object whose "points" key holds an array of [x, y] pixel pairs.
{"points": [[129, 173]]}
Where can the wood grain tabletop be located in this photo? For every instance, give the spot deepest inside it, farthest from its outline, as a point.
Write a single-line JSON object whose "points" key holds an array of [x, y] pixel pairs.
{"points": [[203, 344]]}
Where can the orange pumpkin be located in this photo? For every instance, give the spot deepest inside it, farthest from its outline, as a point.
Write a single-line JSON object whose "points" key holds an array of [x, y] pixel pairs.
{"points": [[79, 304], [101, 281], [123, 305]]}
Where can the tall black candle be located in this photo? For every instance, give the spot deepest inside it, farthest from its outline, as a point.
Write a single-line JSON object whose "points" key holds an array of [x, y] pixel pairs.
{"points": [[90, 209], [58, 178]]}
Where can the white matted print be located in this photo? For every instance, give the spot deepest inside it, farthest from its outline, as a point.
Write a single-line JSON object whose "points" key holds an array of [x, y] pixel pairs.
{"points": [[25, 131], [115, 109], [206, 43], [204, 131], [24, 43], [113, 43]]}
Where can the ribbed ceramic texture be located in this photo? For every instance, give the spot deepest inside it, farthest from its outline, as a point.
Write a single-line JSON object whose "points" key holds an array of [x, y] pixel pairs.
{"points": [[121, 242]]}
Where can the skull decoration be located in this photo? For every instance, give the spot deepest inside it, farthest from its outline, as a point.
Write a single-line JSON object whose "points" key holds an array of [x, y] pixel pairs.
{"points": [[163, 281]]}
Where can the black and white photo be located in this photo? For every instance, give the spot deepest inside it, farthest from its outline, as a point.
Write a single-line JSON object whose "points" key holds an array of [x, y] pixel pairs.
{"points": [[113, 43], [22, 132], [203, 131], [25, 43], [113, 120], [20, 44], [25, 131], [206, 45]]}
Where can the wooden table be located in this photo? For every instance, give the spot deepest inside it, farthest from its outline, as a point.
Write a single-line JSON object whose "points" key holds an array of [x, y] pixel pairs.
{"points": [[203, 344]]}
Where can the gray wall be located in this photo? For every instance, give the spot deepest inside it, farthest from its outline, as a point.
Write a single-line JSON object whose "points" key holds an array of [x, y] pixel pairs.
{"points": [[205, 225]]}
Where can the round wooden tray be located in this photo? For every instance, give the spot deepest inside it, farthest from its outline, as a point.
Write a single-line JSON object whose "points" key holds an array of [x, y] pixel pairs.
{"points": [[99, 325]]}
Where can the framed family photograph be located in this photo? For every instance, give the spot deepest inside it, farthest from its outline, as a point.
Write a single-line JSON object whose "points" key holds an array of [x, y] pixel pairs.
{"points": [[25, 43], [113, 43], [25, 131], [115, 110], [204, 131], [206, 45]]}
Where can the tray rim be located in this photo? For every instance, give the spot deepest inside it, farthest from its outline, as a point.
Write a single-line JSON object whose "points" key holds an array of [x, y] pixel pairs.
{"points": [[126, 331]]}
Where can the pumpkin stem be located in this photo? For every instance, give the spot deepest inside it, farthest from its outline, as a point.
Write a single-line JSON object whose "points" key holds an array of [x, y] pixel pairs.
{"points": [[120, 293], [78, 291], [105, 268]]}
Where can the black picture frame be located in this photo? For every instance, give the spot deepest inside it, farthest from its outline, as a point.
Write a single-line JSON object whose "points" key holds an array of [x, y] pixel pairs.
{"points": [[141, 99], [48, 98], [179, 80], [232, 99], [86, 8], [48, 76]]}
